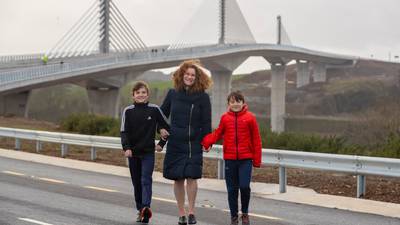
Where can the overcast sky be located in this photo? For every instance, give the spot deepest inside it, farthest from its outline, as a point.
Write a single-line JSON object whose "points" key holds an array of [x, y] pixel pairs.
{"points": [[354, 27]]}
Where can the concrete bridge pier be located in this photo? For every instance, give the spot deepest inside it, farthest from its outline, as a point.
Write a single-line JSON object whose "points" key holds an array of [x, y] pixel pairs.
{"points": [[319, 74], [220, 90], [15, 104], [278, 92], [221, 72], [104, 100], [303, 73], [104, 93]]}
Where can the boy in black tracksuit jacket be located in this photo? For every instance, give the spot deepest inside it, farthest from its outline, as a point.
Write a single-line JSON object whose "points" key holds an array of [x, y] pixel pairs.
{"points": [[139, 123]]}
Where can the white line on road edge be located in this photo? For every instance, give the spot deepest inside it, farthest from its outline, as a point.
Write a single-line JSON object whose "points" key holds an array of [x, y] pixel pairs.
{"points": [[34, 221], [52, 180], [13, 173], [258, 215], [100, 189]]}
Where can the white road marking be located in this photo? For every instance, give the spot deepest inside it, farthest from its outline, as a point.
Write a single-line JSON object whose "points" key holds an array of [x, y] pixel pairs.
{"points": [[264, 216], [100, 189], [52, 180], [258, 215], [13, 173], [34, 221], [164, 199]]}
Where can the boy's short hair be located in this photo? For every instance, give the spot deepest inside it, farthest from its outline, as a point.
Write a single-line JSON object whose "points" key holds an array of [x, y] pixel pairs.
{"points": [[235, 95], [140, 84]]}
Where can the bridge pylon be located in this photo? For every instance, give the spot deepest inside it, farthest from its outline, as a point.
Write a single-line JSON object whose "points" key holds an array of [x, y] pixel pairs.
{"points": [[101, 29]]}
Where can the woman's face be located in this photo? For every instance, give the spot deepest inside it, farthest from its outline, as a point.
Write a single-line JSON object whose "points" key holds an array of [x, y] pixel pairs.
{"points": [[189, 77]]}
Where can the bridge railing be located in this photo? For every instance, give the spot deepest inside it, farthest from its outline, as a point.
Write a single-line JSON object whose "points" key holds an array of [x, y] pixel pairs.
{"points": [[42, 71], [16, 58], [9, 79], [358, 165]]}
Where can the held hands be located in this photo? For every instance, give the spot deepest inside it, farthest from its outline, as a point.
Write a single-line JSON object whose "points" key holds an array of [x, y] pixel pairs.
{"points": [[164, 134], [206, 149], [158, 148], [128, 153]]}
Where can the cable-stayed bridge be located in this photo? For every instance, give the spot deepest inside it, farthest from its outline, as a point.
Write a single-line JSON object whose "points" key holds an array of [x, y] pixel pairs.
{"points": [[102, 52]]}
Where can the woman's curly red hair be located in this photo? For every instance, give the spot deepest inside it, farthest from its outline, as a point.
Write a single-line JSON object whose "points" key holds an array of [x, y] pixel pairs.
{"points": [[201, 82]]}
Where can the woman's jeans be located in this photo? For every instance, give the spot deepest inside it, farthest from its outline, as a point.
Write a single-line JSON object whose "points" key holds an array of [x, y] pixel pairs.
{"points": [[238, 177], [141, 169]]}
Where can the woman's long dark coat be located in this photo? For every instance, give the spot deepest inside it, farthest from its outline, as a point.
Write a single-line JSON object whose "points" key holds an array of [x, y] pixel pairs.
{"points": [[190, 122]]}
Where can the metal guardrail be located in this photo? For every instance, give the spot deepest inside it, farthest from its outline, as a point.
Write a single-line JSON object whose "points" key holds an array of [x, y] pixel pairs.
{"points": [[358, 165]]}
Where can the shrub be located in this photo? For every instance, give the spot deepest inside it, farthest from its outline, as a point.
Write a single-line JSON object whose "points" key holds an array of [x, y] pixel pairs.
{"points": [[91, 124]]}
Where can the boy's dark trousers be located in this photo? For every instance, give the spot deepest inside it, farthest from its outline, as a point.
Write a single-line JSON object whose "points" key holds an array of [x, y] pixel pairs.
{"points": [[238, 177], [141, 169]]}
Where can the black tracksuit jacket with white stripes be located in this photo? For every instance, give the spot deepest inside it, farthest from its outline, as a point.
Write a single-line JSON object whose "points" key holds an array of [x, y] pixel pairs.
{"points": [[139, 123]]}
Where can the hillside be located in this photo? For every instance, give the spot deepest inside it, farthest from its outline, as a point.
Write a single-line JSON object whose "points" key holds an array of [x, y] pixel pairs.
{"points": [[348, 91]]}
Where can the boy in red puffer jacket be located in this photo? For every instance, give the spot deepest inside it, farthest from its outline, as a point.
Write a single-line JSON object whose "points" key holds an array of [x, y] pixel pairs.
{"points": [[242, 150]]}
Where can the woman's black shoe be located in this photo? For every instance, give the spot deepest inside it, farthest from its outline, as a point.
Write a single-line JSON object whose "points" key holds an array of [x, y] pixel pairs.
{"points": [[191, 219]]}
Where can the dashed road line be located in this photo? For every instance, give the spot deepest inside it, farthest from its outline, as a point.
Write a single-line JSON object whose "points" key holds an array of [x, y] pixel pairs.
{"points": [[13, 173], [52, 180], [164, 199], [111, 190], [264, 216], [34, 221], [100, 189], [258, 215]]}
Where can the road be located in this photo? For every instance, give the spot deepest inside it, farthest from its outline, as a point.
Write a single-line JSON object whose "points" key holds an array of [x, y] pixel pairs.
{"points": [[34, 193]]}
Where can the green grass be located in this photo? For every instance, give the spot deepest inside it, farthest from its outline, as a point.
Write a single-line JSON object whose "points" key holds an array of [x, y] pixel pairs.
{"points": [[238, 76]]}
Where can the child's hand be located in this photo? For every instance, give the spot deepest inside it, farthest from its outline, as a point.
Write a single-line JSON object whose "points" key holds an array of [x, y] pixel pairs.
{"points": [[206, 150], [164, 134], [158, 148], [128, 153]]}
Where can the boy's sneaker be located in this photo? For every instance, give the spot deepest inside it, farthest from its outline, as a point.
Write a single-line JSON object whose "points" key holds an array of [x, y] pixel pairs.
{"points": [[146, 214], [234, 220], [191, 219], [245, 219], [139, 217], [182, 220]]}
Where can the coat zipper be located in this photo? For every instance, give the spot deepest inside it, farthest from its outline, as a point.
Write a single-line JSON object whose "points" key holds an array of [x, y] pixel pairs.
{"points": [[236, 131], [190, 122]]}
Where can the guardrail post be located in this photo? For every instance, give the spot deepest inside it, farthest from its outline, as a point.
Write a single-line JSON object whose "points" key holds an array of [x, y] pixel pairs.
{"points": [[361, 185], [282, 179], [38, 146], [17, 144], [64, 150], [93, 153], [127, 161], [221, 169]]}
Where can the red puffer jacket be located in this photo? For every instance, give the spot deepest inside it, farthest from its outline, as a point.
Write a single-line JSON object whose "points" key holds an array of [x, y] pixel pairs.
{"points": [[241, 136]]}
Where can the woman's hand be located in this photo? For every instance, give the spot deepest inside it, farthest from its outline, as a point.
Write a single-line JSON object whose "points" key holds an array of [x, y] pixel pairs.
{"points": [[164, 134], [128, 153], [158, 148]]}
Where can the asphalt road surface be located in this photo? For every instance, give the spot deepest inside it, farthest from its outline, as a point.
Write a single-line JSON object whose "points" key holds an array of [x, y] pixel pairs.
{"points": [[34, 193]]}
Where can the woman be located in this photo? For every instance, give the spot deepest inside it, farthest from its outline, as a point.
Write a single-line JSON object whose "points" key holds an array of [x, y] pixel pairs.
{"points": [[190, 110]]}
